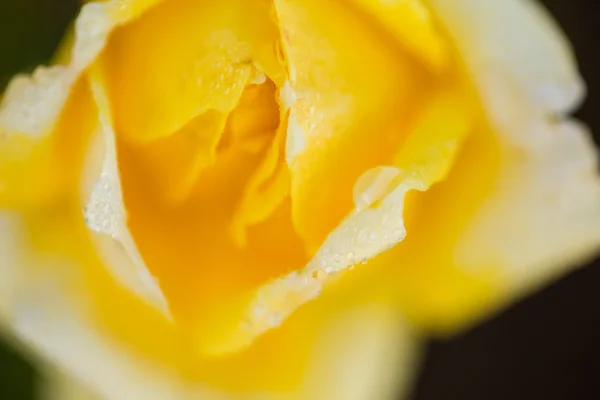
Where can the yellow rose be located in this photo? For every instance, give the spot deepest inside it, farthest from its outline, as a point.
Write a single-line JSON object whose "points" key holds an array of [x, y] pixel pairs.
{"points": [[187, 191]]}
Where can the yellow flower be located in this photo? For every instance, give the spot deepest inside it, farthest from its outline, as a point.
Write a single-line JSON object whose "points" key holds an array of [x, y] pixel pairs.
{"points": [[187, 191]]}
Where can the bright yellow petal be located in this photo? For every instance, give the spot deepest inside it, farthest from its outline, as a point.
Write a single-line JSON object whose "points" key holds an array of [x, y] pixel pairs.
{"points": [[105, 213], [266, 189], [202, 56], [411, 23], [544, 212], [346, 116]]}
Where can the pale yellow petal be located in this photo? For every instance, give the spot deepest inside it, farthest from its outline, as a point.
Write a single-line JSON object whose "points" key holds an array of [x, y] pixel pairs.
{"points": [[544, 212], [32, 104], [522, 203], [365, 352], [57, 384], [518, 39], [106, 217]]}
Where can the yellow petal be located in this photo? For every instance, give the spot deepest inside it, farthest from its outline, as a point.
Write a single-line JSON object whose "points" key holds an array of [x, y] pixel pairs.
{"points": [[44, 314], [202, 56], [255, 118], [346, 115], [514, 39], [31, 110], [35, 171], [365, 352], [432, 290], [32, 105], [105, 214], [544, 212], [190, 249], [522, 202], [411, 23], [265, 190]]}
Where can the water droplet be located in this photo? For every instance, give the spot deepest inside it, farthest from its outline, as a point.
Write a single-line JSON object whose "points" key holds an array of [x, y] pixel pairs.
{"points": [[319, 274], [374, 185], [337, 259], [399, 234], [365, 237], [351, 258], [274, 319]]}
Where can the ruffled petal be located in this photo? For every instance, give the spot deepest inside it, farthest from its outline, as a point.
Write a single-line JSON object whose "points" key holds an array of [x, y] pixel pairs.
{"points": [[544, 212], [32, 105], [522, 202], [346, 116], [515, 39]]}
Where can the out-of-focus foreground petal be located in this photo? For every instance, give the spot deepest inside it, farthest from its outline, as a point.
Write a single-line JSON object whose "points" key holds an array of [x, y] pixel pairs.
{"points": [[523, 201]]}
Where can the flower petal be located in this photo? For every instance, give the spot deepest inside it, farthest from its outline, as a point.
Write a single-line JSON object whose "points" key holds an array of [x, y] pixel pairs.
{"points": [[266, 189], [202, 56], [32, 105], [106, 216], [433, 142], [411, 23], [544, 211], [31, 127], [45, 316], [523, 201], [515, 38], [346, 116]]}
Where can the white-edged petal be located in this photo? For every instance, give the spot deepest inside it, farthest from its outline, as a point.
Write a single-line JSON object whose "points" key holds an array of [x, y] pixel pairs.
{"points": [[518, 38], [106, 216], [544, 210], [32, 103]]}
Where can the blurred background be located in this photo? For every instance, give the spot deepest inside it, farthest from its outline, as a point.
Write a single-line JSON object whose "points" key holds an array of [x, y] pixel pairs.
{"points": [[545, 347]]}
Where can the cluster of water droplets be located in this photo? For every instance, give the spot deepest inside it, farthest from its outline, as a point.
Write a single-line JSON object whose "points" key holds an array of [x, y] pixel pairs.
{"points": [[32, 103], [101, 213]]}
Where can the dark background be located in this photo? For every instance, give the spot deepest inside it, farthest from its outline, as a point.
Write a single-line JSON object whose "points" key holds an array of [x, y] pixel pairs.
{"points": [[546, 347]]}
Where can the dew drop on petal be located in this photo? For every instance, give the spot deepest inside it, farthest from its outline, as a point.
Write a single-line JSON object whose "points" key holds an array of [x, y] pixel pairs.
{"points": [[374, 185]]}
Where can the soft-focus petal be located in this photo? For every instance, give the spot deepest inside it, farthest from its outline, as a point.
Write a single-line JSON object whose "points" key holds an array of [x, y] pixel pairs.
{"points": [[523, 201], [433, 139], [32, 105], [346, 116], [544, 212], [286, 364], [514, 39]]}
